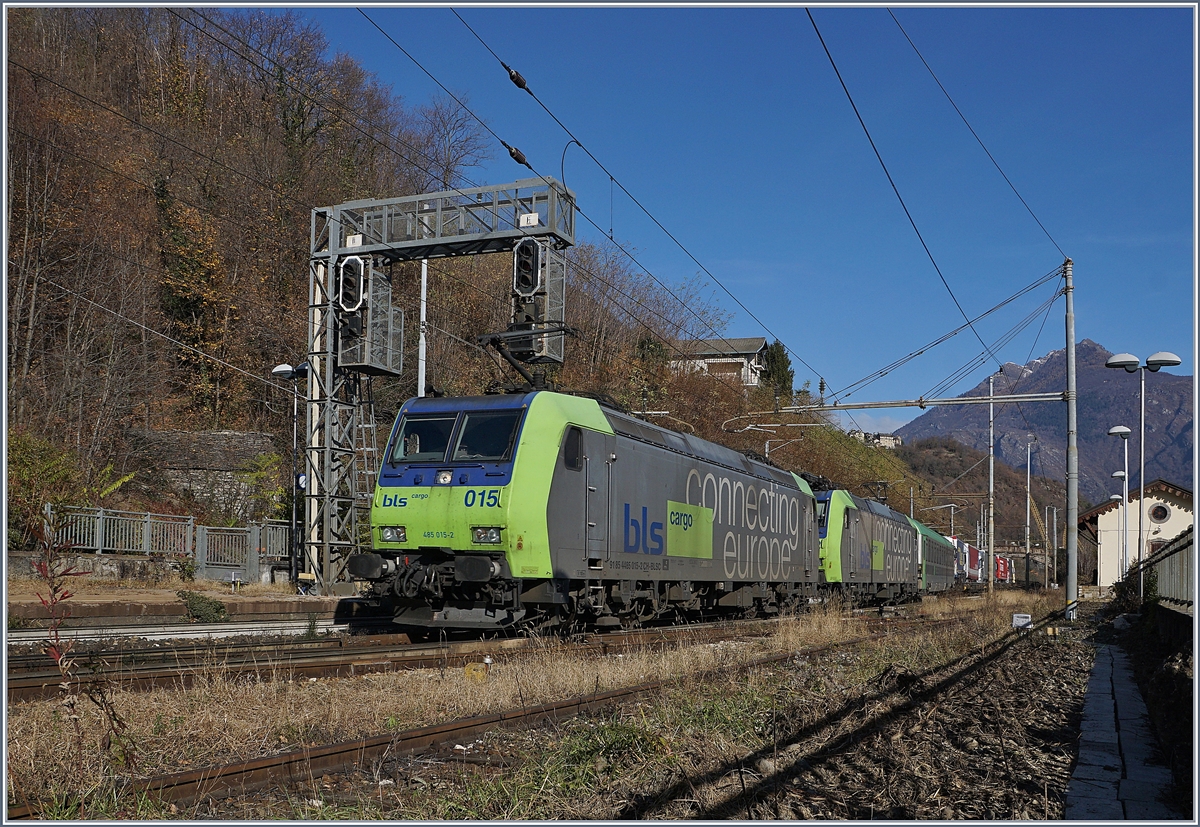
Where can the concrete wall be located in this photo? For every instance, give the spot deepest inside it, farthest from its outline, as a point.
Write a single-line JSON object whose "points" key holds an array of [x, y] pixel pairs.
{"points": [[208, 465]]}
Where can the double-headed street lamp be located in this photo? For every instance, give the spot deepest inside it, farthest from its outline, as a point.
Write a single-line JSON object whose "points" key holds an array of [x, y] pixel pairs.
{"points": [[1132, 364], [297, 373], [1123, 520], [1123, 476]]}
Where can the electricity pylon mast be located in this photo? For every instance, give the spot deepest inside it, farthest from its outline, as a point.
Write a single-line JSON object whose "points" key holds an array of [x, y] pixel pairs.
{"points": [[354, 332]]}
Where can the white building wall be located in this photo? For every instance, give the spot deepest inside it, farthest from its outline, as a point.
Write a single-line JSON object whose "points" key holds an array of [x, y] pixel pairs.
{"points": [[1108, 532]]}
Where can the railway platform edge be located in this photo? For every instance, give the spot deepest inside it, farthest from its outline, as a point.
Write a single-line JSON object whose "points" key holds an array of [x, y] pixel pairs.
{"points": [[1118, 775]]}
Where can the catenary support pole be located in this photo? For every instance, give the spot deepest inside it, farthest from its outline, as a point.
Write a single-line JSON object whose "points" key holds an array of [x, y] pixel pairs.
{"points": [[1028, 499], [991, 483], [1072, 595], [1054, 539], [1046, 550], [421, 340]]}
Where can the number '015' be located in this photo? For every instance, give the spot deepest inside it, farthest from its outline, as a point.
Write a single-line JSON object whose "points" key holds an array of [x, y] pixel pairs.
{"points": [[483, 498]]}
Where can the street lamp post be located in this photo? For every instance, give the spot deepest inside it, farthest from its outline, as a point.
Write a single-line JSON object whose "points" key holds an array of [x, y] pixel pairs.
{"points": [[1112, 498], [1123, 522], [286, 371], [1131, 363], [1123, 475]]}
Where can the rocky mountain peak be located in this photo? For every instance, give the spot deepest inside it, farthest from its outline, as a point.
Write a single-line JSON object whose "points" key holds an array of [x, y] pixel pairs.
{"points": [[1106, 398]]}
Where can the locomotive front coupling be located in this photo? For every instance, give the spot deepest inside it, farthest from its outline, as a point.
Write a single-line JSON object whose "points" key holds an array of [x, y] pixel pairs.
{"points": [[431, 576]]}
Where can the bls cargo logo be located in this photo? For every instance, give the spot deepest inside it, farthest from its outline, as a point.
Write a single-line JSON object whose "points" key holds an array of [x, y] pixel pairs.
{"points": [[689, 531], [679, 518], [394, 501], [642, 537]]}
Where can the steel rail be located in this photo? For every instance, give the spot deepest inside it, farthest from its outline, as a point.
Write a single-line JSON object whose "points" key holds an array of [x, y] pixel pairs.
{"points": [[310, 762], [171, 631], [348, 661]]}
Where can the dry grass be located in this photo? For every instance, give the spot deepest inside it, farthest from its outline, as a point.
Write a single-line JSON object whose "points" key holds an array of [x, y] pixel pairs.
{"points": [[83, 587], [218, 720]]}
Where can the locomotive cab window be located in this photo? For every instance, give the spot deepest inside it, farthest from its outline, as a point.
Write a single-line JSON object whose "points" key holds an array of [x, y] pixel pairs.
{"points": [[487, 435], [423, 438], [573, 449]]}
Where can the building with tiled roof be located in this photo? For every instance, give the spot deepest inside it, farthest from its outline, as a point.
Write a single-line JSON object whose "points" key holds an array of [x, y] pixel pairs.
{"points": [[739, 359], [1168, 512]]}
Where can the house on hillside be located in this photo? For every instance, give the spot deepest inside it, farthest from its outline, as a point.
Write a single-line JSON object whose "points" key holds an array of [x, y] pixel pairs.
{"points": [[1168, 512], [890, 441], [741, 360]]}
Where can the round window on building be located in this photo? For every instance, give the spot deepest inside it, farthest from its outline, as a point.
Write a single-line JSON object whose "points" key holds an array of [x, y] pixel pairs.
{"points": [[1159, 513]]}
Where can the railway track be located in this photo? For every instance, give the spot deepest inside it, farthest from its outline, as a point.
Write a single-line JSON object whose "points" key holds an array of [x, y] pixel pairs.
{"points": [[184, 631], [301, 765], [30, 676]]}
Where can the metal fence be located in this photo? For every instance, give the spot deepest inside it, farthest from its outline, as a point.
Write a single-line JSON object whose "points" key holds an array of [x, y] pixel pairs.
{"points": [[218, 551], [1174, 564]]}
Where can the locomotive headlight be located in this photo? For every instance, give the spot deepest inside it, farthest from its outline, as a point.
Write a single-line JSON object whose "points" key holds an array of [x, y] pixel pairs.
{"points": [[444, 477], [393, 534], [486, 535]]}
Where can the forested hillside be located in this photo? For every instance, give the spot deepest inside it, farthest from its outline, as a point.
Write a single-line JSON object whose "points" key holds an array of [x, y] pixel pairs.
{"points": [[163, 165]]}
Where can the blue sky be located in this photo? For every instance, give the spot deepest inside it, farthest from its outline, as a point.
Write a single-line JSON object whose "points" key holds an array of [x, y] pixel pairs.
{"points": [[731, 127]]}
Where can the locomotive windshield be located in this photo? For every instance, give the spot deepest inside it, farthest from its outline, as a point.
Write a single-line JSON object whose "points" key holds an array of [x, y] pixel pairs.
{"points": [[481, 436], [487, 435], [423, 438]]}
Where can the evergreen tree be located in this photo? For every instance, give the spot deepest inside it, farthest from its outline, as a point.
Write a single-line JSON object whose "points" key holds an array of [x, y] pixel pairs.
{"points": [[778, 374]]}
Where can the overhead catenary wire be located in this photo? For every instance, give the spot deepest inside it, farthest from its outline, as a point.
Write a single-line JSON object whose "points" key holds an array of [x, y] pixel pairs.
{"points": [[249, 178], [996, 164], [976, 135], [297, 317], [977, 360], [520, 158], [896, 189], [268, 187], [870, 378], [594, 275], [372, 137], [520, 82]]}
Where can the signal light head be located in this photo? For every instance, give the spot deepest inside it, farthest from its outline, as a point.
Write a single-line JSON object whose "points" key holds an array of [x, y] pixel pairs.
{"points": [[352, 277], [527, 267]]}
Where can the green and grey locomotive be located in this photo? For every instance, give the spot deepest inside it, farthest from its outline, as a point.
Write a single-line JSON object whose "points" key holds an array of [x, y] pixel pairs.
{"points": [[542, 509]]}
